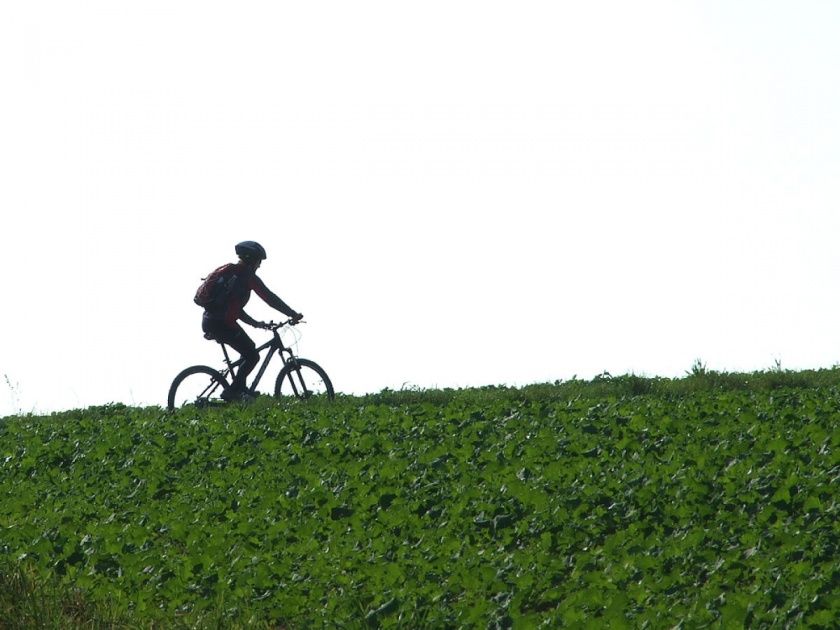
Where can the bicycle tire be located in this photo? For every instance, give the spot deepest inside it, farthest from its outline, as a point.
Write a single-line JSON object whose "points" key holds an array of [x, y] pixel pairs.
{"points": [[304, 379], [209, 390]]}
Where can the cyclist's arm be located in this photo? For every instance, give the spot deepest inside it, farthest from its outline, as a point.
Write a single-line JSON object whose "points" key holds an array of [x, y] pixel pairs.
{"points": [[271, 299], [248, 319]]}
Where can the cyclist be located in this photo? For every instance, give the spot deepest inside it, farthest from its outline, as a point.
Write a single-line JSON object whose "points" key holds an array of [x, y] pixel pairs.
{"points": [[220, 322]]}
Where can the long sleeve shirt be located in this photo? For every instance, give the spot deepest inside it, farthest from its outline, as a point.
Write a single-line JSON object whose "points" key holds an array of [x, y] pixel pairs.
{"points": [[234, 309]]}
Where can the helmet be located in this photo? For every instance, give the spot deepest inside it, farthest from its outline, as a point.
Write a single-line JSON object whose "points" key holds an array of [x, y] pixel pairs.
{"points": [[250, 250]]}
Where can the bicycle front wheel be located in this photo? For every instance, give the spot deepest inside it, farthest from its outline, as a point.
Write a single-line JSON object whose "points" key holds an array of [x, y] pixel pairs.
{"points": [[304, 379], [199, 386]]}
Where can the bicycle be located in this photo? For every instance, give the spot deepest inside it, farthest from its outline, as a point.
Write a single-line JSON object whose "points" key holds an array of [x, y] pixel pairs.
{"points": [[202, 386]]}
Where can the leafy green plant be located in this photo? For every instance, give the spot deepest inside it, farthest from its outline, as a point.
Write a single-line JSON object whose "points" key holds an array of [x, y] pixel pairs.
{"points": [[698, 368], [620, 501]]}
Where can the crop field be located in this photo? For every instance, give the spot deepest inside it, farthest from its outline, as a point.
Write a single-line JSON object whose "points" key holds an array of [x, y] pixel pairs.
{"points": [[615, 503]]}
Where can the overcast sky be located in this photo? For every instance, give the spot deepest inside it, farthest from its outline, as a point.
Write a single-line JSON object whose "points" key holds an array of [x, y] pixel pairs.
{"points": [[453, 193]]}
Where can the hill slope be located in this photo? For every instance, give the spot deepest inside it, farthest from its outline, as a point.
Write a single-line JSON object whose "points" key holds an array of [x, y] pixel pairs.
{"points": [[626, 500]]}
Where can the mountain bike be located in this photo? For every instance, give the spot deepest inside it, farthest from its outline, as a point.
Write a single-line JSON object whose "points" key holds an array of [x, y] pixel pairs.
{"points": [[202, 386]]}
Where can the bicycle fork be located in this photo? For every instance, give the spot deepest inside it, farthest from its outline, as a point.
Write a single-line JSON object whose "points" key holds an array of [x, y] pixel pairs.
{"points": [[295, 377]]}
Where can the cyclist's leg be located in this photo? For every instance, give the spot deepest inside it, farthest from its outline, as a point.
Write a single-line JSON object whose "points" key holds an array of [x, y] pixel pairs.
{"points": [[235, 337], [246, 347]]}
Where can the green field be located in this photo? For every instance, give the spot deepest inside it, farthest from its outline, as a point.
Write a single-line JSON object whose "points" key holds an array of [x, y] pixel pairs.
{"points": [[708, 501]]}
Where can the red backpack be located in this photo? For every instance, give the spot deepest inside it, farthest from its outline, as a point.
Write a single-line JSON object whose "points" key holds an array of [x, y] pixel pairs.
{"points": [[217, 287]]}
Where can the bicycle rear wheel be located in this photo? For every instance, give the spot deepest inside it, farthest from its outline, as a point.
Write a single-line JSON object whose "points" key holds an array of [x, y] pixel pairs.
{"points": [[304, 379], [198, 386]]}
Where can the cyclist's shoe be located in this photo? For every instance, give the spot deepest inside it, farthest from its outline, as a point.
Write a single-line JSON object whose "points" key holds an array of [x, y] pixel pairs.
{"points": [[237, 395], [232, 394]]}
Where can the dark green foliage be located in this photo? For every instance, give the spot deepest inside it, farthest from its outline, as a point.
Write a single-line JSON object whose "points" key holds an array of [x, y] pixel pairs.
{"points": [[618, 502]]}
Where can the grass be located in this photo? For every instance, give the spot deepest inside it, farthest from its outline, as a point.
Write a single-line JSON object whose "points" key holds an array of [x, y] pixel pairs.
{"points": [[605, 386], [29, 599]]}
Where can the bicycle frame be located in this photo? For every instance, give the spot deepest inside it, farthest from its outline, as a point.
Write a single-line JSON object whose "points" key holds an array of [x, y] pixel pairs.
{"points": [[273, 345]]}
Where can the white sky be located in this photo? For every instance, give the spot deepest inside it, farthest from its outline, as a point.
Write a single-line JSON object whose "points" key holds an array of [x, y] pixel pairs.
{"points": [[454, 193]]}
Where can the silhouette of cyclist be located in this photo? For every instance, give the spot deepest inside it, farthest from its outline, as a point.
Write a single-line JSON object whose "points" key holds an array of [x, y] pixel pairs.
{"points": [[220, 322]]}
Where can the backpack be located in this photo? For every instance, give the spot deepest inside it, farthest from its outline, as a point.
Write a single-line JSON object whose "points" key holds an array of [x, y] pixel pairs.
{"points": [[216, 288]]}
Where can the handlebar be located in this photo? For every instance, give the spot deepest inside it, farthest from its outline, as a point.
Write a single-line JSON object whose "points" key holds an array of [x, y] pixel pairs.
{"points": [[275, 326]]}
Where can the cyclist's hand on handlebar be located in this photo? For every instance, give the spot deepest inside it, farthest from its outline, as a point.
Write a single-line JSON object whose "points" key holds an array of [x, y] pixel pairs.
{"points": [[297, 317]]}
